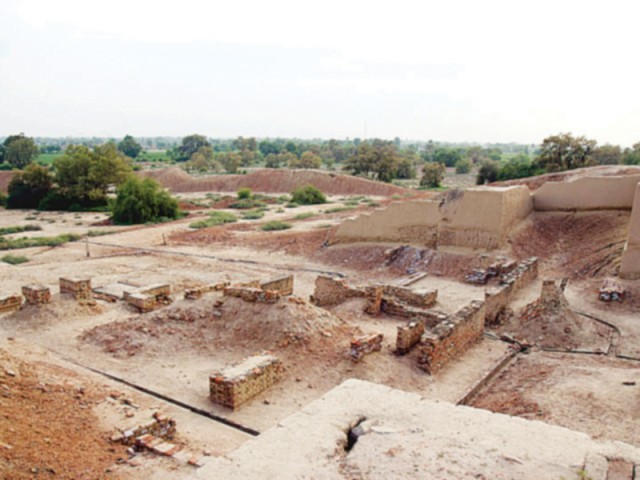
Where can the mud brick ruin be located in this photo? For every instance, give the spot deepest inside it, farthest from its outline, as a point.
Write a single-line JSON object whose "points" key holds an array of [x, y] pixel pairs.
{"points": [[236, 385], [149, 297], [451, 338], [10, 303], [198, 292], [363, 345], [36, 294], [159, 425], [80, 288], [408, 336], [331, 291], [252, 295], [282, 285], [497, 298]]}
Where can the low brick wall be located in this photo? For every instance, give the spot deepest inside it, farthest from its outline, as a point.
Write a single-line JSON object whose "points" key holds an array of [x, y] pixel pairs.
{"points": [[10, 303], [36, 294], [451, 338], [330, 291], [281, 285], [415, 298], [235, 385], [159, 425], [144, 303], [156, 290], [374, 300], [364, 345], [80, 288], [409, 336], [253, 295], [430, 317], [498, 298], [148, 297], [195, 293]]}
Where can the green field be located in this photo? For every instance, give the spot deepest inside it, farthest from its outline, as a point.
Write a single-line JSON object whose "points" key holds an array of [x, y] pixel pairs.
{"points": [[153, 156], [47, 158]]}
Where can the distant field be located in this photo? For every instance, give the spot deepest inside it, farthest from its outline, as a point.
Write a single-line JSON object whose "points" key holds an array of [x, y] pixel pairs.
{"points": [[47, 158], [153, 156]]}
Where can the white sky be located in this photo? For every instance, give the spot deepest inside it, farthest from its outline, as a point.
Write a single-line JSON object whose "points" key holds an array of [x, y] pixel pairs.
{"points": [[487, 71]]}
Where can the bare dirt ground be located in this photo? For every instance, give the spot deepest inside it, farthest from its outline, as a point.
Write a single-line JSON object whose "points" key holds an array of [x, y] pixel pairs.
{"points": [[594, 394]]}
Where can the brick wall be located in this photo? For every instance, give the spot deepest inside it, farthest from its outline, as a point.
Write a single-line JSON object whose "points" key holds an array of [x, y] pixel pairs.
{"points": [[409, 336], [195, 293], [330, 291], [282, 285], [235, 385], [36, 294], [159, 425], [144, 303], [156, 290], [80, 288], [451, 338], [415, 298], [10, 303], [363, 345], [253, 295], [430, 317], [498, 298]]}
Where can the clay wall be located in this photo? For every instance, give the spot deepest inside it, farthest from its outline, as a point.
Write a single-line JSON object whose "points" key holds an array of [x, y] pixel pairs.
{"points": [[80, 288], [451, 338], [409, 336], [498, 298], [330, 291], [413, 221], [10, 303], [235, 385], [587, 193], [281, 285], [36, 294], [630, 264], [253, 295]]}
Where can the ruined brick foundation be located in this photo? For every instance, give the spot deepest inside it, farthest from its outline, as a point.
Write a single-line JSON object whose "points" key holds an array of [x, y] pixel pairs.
{"points": [[409, 336], [253, 295], [236, 385], [497, 299], [80, 288], [364, 345], [10, 303], [198, 292], [282, 285], [36, 294], [330, 291]]}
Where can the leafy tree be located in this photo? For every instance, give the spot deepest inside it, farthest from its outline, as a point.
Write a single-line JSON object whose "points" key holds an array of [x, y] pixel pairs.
{"points": [[378, 159], [308, 195], [28, 188], [190, 145], [488, 172], [129, 146], [632, 155], [18, 150], [203, 161], [565, 152], [291, 147], [432, 175], [463, 166], [519, 166], [231, 161], [447, 156], [307, 160], [607, 155], [272, 160], [84, 175], [267, 147], [406, 168], [142, 201]]}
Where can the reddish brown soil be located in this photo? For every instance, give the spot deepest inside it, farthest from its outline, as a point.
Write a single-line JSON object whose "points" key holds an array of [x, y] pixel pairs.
{"points": [[559, 239], [5, 178], [272, 181], [47, 430]]}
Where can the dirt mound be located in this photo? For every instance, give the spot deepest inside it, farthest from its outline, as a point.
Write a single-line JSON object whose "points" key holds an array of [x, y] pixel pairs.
{"points": [[600, 171], [549, 322], [5, 178], [577, 245], [48, 429], [272, 181], [210, 324], [61, 308]]}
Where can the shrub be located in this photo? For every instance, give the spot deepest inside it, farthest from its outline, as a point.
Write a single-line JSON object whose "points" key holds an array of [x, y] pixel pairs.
{"points": [[3, 199], [338, 209], [275, 225], [463, 166], [14, 259], [488, 172], [19, 229], [253, 215], [13, 244], [215, 218], [432, 175], [247, 203], [244, 193], [303, 216], [5, 166], [28, 188], [308, 195], [143, 201]]}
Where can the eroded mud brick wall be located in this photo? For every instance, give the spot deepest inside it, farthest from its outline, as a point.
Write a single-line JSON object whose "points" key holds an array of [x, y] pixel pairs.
{"points": [[330, 291], [234, 386], [156, 290], [451, 338], [430, 317], [416, 298], [144, 303], [253, 295], [282, 285], [159, 426], [630, 264], [363, 345], [80, 288], [498, 298], [409, 336], [197, 292], [10, 303], [36, 294]]}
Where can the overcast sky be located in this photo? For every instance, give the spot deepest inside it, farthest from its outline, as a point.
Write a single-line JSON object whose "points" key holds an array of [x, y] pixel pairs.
{"points": [[486, 71]]}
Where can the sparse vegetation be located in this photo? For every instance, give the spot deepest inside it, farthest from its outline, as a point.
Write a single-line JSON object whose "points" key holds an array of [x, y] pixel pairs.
{"points": [[14, 259], [308, 195], [19, 229], [253, 215], [303, 216], [14, 244], [215, 218], [338, 209], [275, 225]]}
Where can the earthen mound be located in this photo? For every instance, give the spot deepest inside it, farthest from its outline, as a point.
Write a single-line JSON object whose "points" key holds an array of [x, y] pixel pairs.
{"points": [[272, 181], [61, 308], [208, 324]]}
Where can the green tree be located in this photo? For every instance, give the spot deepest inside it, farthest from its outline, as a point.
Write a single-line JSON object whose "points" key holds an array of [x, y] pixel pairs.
{"points": [[632, 155], [377, 158], [519, 166], [447, 156], [463, 166], [432, 175], [607, 155], [267, 147], [142, 201], [28, 188], [307, 160], [565, 152], [488, 172], [189, 145], [231, 161], [129, 146], [84, 175], [406, 168], [272, 160], [308, 195], [18, 150]]}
